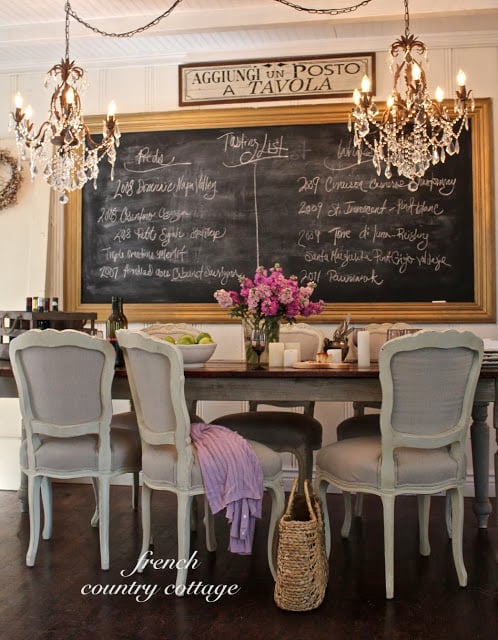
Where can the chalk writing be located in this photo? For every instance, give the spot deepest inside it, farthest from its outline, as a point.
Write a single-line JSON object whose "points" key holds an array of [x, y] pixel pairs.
{"points": [[192, 211]]}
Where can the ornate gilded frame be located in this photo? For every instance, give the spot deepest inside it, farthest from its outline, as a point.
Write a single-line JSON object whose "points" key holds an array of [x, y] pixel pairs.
{"points": [[481, 310]]}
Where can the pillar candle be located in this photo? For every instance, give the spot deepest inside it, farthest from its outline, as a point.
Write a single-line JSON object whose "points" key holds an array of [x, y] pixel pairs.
{"points": [[335, 355], [290, 356], [296, 346], [276, 354], [363, 348]]}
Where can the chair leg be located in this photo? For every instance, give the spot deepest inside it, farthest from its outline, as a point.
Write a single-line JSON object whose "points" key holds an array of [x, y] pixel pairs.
{"points": [[183, 529], [321, 492], [358, 505], [277, 493], [46, 489], [424, 507], [388, 512], [209, 526], [95, 518], [146, 525], [34, 488], [456, 496], [447, 513], [304, 457], [194, 515], [346, 525], [135, 490], [104, 496]]}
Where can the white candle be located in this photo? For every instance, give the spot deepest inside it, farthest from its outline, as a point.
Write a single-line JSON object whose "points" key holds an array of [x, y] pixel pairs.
{"points": [[290, 356], [363, 348], [296, 346], [335, 355], [276, 354]]}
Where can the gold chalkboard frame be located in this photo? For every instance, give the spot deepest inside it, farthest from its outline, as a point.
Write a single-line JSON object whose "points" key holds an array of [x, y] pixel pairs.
{"points": [[481, 310]]}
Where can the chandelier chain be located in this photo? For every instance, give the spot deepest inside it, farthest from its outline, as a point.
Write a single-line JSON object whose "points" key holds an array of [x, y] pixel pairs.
{"points": [[66, 30], [330, 12], [128, 34], [407, 19], [125, 34]]}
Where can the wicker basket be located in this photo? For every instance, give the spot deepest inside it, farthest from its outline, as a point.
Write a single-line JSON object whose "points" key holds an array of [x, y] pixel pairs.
{"points": [[302, 564]]}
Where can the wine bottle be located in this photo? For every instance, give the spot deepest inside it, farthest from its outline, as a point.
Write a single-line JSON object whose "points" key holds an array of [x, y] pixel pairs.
{"points": [[115, 322], [124, 319]]}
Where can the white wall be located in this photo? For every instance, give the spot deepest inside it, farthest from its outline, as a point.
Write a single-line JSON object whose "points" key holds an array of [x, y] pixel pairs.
{"points": [[23, 227]]}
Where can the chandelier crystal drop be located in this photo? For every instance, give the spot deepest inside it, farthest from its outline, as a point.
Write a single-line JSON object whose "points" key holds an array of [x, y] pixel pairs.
{"points": [[63, 147], [414, 131]]}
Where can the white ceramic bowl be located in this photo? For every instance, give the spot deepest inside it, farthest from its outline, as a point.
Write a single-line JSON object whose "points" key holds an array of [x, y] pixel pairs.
{"points": [[194, 355]]}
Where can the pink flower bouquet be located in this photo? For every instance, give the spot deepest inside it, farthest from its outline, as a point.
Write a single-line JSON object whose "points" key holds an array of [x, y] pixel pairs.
{"points": [[270, 295]]}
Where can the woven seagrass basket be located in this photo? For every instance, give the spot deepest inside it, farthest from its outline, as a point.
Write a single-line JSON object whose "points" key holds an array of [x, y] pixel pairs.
{"points": [[302, 564]]}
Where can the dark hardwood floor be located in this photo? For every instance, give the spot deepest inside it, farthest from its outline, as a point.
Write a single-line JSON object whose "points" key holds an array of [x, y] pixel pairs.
{"points": [[46, 601]]}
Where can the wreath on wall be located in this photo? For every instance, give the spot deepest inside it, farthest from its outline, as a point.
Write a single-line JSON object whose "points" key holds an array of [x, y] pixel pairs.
{"points": [[10, 179]]}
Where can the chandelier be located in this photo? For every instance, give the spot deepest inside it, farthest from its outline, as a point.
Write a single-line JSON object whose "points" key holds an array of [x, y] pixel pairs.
{"points": [[63, 145], [414, 132]]}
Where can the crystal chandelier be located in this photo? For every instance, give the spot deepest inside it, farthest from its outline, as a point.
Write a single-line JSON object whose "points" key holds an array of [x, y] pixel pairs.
{"points": [[63, 145], [414, 131]]}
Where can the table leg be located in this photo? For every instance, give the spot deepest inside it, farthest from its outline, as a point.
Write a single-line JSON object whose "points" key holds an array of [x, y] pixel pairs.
{"points": [[479, 435]]}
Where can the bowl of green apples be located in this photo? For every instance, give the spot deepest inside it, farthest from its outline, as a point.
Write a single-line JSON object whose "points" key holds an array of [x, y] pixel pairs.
{"points": [[195, 349]]}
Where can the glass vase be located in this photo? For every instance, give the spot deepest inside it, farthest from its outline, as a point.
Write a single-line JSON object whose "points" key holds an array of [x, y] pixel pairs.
{"points": [[271, 326]]}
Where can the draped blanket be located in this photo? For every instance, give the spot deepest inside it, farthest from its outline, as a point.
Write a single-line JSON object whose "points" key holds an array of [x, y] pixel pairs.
{"points": [[233, 479]]}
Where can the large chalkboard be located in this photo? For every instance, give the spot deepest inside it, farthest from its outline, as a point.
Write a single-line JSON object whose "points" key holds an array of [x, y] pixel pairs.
{"points": [[192, 208]]}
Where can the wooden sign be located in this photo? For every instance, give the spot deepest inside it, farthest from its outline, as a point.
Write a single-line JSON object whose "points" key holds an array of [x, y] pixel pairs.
{"points": [[274, 79]]}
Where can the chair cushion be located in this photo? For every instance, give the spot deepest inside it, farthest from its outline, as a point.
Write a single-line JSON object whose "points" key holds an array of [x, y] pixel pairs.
{"points": [[356, 426], [357, 461], [159, 464], [275, 428], [271, 462], [71, 455]]}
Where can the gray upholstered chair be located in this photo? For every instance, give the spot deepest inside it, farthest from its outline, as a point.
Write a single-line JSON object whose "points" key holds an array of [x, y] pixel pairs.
{"points": [[361, 423], [64, 382], [428, 383], [169, 462], [285, 431], [175, 330]]}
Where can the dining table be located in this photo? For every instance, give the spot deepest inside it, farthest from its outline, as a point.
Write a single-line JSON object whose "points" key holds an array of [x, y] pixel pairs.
{"points": [[233, 380]]}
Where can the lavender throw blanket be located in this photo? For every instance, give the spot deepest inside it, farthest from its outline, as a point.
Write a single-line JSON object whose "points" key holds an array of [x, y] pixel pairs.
{"points": [[233, 479]]}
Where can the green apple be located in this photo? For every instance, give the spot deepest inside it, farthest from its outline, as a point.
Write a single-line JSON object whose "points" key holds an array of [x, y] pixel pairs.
{"points": [[203, 338], [169, 339], [186, 339]]}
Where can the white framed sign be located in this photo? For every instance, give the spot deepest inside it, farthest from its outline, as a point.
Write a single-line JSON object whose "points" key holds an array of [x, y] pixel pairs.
{"points": [[312, 77]]}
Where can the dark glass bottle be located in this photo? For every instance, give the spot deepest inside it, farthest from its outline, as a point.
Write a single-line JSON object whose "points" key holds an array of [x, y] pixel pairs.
{"points": [[124, 319], [114, 322]]}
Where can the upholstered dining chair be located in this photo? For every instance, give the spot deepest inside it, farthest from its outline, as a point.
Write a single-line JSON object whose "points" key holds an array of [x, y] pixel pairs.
{"points": [[169, 462], [64, 383], [285, 431], [428, 383], [175, 330], [361, 423]]}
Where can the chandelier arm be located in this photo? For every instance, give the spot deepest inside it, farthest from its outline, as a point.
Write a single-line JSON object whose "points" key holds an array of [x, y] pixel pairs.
{"points": [[37, 140]]}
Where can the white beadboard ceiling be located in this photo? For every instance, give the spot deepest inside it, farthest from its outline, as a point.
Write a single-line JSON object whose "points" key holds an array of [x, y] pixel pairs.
{"points": [[32, 31]]}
